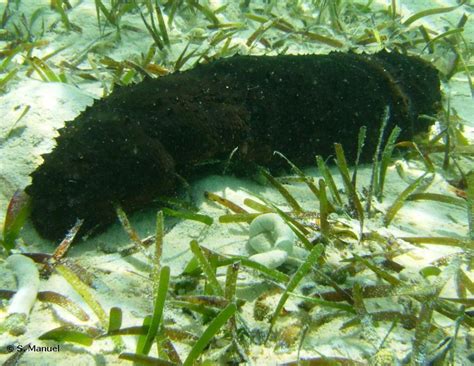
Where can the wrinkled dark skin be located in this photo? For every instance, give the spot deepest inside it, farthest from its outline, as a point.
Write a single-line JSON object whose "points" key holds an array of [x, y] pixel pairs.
{"points": [[127, 148]]}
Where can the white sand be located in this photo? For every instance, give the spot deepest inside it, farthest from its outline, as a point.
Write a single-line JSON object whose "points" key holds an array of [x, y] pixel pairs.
{"points": [[124, 282]]}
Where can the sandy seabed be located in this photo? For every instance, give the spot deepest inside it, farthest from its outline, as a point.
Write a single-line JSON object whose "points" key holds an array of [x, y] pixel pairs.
{"points": [[125, 282]]}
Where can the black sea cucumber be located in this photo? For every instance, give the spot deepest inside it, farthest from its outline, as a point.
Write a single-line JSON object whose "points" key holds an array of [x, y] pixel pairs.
{"points": [[129, 147]]}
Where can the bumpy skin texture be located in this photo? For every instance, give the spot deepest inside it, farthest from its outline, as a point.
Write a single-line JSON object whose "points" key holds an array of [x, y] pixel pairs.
{"points": [[129, 147]]}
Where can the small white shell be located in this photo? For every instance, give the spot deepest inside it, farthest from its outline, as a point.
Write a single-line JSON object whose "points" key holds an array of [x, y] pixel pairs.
{"points": [[271, 239], [27, 276], [271, 259], [269, 231]]}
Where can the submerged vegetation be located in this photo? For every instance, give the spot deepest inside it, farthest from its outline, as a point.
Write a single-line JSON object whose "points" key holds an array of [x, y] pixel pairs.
{"points": [[231, 306], [339, 25]]}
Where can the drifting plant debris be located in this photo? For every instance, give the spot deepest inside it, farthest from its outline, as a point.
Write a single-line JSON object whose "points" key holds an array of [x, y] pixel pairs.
{"points": [[284, 192], [329, 180], [470, 203], [307, 180], [360, 146], [69, 334], [188, 216], [17, 213], [293, 282], [386, 156], [218, 322], [207, 268], [437, 197], [429, 12], [324, 209], [160, 297], [420, 184], [224, 202], [374, 179], [83, 290], [350, 188], [61, 250], [14, 127]]}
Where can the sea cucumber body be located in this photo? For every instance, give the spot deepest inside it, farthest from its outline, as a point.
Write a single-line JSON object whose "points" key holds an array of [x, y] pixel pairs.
{"points": [[129, 147]]}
